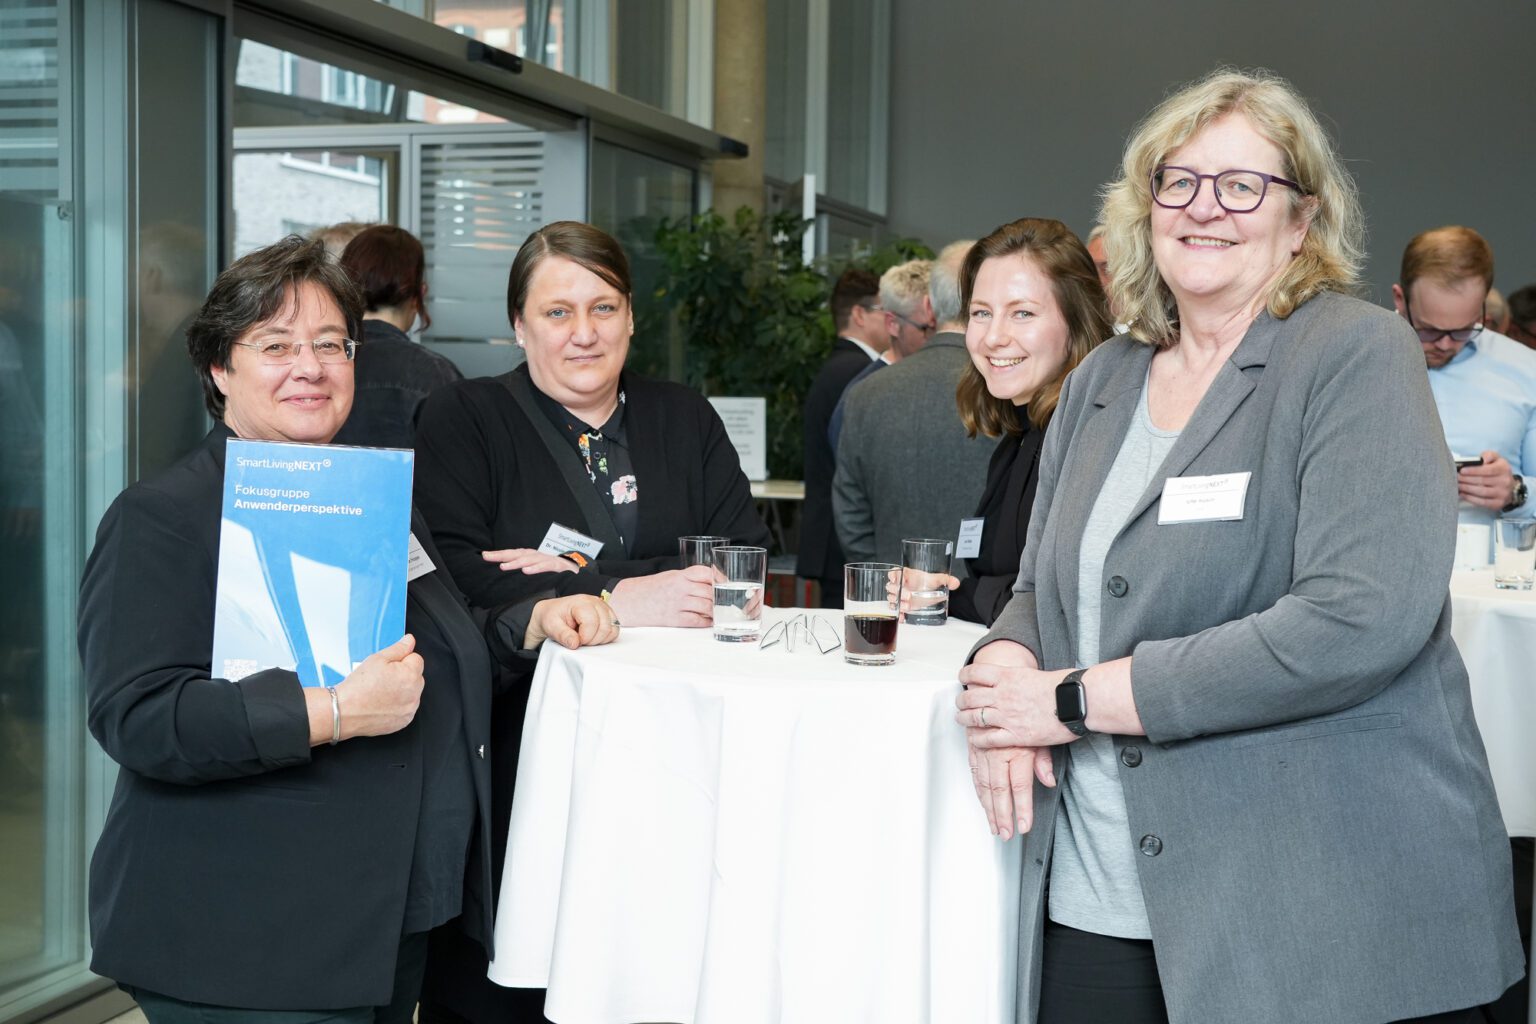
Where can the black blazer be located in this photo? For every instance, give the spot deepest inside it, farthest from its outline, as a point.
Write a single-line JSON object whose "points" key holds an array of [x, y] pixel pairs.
{"points": [[492, 472], [237, 866], [821, 557], [1005, 503]]}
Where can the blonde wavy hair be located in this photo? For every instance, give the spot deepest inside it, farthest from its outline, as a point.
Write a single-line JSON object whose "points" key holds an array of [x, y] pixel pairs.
{"points": [[1331, 253]]}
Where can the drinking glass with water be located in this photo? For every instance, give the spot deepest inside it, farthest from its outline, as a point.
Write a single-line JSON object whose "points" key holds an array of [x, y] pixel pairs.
{"points": [[1514, 554], [739, 576], [699, 550], [925, 578]]}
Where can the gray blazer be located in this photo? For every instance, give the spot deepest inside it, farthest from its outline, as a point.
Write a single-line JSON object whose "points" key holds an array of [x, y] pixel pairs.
{"points": [[904, 465], [1320, 835]]}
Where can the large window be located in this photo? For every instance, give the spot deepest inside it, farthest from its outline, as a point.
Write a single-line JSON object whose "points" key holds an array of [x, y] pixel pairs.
{"points": [[106, 242], [469, 184], [828, 112], [42, 749]]}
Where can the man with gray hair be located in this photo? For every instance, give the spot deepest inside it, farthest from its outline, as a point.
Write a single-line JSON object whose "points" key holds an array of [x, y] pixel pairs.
{"points": [[905, 467], [908, 310], [908, 322]]}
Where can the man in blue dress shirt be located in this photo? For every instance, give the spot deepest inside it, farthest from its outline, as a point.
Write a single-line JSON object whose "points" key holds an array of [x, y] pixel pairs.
{"points": [[1484, 383]]}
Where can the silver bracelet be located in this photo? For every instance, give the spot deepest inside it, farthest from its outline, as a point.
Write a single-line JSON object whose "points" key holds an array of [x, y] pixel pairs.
{"points": [[335, 715]]}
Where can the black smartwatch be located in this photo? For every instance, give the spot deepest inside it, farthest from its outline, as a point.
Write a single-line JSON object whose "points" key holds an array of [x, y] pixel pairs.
{"points": [[1072, 702], [1518, 498]]}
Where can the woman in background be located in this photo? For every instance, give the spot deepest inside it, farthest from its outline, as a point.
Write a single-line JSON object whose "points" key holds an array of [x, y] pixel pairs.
{"points": [[1034, 308], [393, 374]]}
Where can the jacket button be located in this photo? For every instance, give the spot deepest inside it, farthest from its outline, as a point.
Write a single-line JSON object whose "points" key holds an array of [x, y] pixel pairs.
{"points": [[481, 751], [1151, 845], [1130, 756], [1118, 587]]}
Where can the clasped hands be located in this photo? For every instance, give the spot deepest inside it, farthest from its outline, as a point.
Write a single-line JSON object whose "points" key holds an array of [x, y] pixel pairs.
{"points": [[676, 597], [1009, 714]]}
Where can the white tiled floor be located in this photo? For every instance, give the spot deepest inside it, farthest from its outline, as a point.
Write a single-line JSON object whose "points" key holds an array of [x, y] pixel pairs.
{"points": [[131, 1017]]}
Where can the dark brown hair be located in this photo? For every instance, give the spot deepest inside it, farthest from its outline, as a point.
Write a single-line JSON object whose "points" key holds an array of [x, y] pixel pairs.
{"points": [[1052, 247], [252, 291], [390, 266], [1445, 256], [854, 287], [580, 243]]}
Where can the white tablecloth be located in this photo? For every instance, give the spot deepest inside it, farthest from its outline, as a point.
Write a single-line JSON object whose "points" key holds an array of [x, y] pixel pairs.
{"points": [[1496, 632], [709, 833]]}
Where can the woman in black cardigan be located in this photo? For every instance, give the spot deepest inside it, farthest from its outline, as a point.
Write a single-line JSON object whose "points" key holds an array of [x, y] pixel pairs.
{"points": [[570, 439], [1034, 309], [601, 469]]}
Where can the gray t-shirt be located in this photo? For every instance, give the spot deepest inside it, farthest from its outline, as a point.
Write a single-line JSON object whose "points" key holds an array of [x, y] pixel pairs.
{"points": [[1094, 885]]}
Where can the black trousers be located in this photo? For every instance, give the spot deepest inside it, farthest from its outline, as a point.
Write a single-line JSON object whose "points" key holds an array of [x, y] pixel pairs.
{"points": [[1100, 979], [163, 1009]]}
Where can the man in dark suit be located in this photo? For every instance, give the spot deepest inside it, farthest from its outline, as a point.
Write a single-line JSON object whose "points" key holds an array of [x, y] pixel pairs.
{"points": [[861, 338]]}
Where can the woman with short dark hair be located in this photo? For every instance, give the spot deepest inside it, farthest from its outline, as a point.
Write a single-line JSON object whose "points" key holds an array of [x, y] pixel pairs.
{"points": [[273, 852]]}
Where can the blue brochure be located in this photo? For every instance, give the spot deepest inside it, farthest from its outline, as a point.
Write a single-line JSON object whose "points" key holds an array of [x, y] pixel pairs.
{"points": [[312, 553]]}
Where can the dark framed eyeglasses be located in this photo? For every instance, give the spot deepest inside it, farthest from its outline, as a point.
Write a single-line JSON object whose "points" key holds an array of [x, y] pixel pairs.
{"points": [[276, 352], [925, 328], [1429, 335], [1238, 191]]}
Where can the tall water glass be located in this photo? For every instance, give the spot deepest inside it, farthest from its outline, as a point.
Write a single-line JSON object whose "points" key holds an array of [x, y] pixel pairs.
{"points": [[699, 550], [739, 576], [871, 599], [925, 578], [1514, 553]]}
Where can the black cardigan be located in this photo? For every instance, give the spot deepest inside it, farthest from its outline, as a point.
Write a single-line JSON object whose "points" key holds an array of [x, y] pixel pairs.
{"points": [[1005, 503], [489, 477], [237, 865]]}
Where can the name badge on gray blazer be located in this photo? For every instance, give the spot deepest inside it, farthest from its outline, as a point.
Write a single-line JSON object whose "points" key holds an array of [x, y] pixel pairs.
{"points": [[1203, 499]]}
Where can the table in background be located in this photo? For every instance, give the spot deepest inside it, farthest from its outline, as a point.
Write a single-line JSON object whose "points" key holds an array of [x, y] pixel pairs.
{"points": [[1495, 631], [770, 495], [707, 833]]}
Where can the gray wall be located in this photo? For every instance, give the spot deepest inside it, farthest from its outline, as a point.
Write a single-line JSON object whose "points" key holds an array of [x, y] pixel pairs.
{"points": [[1006, 108]]}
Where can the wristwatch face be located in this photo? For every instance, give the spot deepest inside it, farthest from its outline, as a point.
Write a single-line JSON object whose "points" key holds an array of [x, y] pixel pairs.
{"points": [[1071, 701]]}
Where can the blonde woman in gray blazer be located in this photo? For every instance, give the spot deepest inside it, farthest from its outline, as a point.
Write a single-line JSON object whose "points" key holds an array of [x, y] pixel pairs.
{"points": [[1224, 706]]}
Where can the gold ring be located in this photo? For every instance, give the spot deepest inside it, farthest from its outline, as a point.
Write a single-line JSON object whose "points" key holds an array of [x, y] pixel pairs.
{"points": [[982, 717]]}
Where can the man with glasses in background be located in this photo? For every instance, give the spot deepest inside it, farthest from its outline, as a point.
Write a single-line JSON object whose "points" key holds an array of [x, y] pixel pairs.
{"points": [[1484, 383], [908, 323]]}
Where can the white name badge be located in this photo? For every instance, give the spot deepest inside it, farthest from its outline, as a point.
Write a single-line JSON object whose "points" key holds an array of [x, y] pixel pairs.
{"points": [[561, 539], [1203, 499], [968, 544], [417, 562]]}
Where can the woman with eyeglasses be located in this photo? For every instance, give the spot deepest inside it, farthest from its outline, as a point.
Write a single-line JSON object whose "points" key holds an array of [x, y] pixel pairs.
{"points": [[1223, 706], [276, 853]]}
